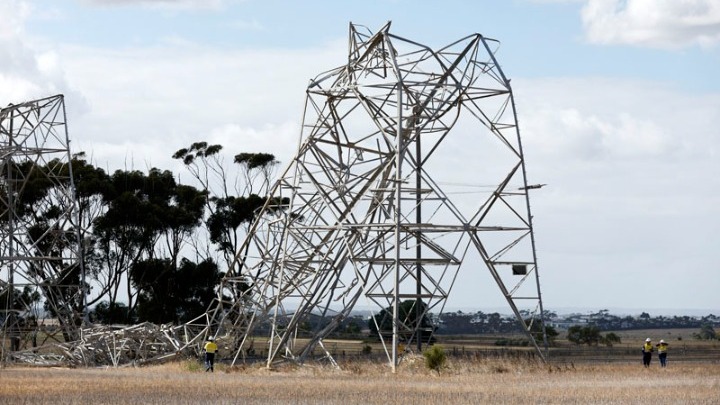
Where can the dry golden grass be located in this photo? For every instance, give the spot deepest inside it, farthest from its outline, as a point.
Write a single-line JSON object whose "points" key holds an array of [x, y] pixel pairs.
{"points": [[363, 382]]}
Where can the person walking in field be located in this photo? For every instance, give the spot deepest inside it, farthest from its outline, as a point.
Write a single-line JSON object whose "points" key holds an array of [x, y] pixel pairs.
{"points": [[647, 350], [210, 350], [662, 348]]}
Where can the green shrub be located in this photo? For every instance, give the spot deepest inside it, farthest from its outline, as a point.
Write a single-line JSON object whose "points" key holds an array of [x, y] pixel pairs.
{"points": [[707, 332], [610, 338], [435, 358]]}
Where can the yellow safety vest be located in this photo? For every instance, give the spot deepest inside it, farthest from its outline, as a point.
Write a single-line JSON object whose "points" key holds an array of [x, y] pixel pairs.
{"points": [[648, 347], [210, 347], [662, 347]]}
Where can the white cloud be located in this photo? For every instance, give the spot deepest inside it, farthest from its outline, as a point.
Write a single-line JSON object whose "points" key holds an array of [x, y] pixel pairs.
{"points": [[631, 188], [621, 147], [599, 119], [27, 73], [279, 139], [653, 23], [586, 135], [14, 13], [245, 100]]}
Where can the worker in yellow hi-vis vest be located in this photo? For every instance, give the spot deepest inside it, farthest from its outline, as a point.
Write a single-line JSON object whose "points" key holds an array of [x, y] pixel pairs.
{"points": [[647, 350], [210, 350], [662, 352]]}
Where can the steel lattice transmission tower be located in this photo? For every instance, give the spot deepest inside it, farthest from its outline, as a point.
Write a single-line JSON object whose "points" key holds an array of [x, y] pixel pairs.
{"points": [[40, 268], [369, 211]]}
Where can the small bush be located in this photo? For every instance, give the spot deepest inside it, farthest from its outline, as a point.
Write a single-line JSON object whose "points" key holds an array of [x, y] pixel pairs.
{"points": [[435, 358]]}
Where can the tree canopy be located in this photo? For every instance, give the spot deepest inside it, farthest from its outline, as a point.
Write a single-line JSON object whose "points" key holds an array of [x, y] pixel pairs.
{"points": [[147, 242]]}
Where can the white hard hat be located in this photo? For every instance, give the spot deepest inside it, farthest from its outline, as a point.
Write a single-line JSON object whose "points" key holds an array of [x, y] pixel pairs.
{"points": [[662, 341], [647, 340], [210, 338]]}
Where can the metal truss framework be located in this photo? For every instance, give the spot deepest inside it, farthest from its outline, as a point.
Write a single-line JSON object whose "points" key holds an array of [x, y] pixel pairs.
{"points": [[39, 250], [373, 209], [359, 214]]}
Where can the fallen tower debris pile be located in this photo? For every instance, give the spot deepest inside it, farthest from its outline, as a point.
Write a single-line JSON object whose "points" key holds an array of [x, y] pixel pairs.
{"points": [[116, 346]]}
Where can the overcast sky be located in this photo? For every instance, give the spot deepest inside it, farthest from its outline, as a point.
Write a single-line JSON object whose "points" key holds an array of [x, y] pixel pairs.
{"points": [[618, 105]]}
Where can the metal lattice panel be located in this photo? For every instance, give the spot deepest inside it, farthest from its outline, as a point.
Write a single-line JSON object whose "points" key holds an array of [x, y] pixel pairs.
{"points": [[40, 270]]}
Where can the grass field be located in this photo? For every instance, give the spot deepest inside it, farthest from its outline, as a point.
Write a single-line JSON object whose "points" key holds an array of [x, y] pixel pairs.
{"points": [[477, 372], [683, 347], [463, 381]]}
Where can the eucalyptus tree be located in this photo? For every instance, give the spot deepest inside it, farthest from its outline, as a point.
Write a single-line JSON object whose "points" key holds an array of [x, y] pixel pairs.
{"points": [[91, 184], [233, 196], [149, 217], [169, 293]]}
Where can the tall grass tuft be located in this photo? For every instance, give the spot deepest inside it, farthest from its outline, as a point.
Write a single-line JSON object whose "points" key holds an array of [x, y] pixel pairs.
{"points": [[435, 358], [192, 366]]}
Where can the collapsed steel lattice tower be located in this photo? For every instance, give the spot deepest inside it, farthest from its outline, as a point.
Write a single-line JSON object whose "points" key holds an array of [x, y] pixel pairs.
{"points": [[364, 210], [40, 267]]}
